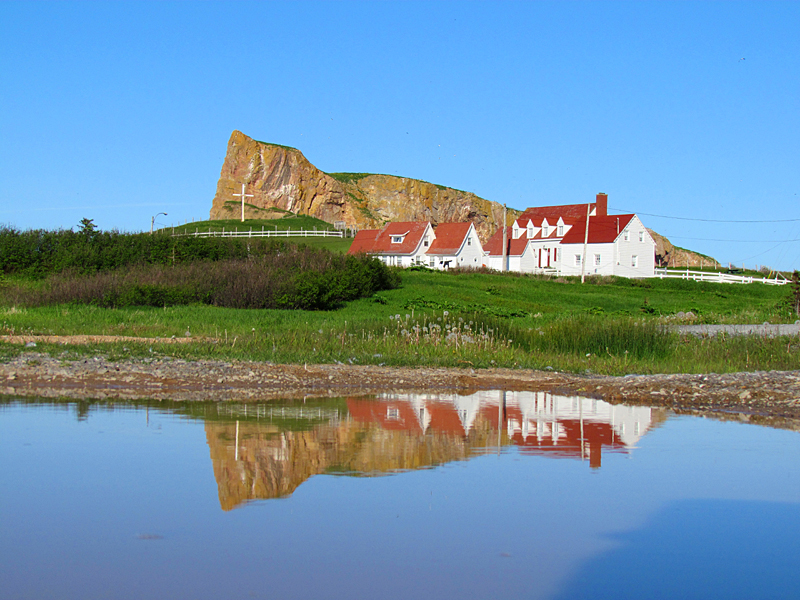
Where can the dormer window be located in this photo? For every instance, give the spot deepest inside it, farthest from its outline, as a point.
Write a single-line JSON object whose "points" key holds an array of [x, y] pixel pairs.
{"points": [[397, 239], [560, 231], [426, 242], [545, 231]]}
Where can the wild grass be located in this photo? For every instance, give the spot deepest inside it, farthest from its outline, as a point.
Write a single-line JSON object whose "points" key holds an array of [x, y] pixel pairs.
{"points": [[299, 278], [612, 326]]}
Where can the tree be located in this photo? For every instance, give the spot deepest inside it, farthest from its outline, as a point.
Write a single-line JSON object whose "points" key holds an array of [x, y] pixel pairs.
{"points": [[88, 228]]}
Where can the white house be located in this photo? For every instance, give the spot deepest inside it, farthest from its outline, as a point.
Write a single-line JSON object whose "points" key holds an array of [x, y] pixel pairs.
{"points": [[455, 245], [447, 246], [551, 239]]}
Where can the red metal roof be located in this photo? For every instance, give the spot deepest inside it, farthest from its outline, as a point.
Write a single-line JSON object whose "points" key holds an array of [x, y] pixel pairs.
{"points": [[449, 238], [411, 232], [602, 230], [364, 241], [552, 213], [494, 246]]}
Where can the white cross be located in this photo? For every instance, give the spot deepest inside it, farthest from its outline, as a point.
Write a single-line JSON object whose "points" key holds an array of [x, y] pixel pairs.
{"points": [[243, 195]]}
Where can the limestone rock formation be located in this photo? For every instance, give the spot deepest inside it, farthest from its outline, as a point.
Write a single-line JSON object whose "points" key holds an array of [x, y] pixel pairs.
{"points": [[281, 177], [668, 255]]}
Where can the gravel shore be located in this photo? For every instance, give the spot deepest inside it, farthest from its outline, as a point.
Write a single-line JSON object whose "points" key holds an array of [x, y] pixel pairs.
{"points": [[771, 398]]}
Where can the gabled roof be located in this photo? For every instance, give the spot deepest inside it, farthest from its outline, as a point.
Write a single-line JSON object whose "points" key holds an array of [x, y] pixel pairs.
{"points": [[552, 213], [411, 232], [494, 246], [364, 241], [602, 230], [450, 238]]}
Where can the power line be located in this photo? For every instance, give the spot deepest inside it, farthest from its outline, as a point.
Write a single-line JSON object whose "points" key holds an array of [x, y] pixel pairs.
{"points": [[709, 220], [677, 237]]}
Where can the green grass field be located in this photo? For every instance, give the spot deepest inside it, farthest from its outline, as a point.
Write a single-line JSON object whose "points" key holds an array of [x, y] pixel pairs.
{"points": [[284, 221], [609, 325]]}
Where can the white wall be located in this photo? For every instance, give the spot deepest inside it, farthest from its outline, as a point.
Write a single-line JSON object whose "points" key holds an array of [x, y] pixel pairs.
{"points": [[645, 251]]}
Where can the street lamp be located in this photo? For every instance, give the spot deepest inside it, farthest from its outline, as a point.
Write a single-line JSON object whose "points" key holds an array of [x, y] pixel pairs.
{"points": [[153, 221]]}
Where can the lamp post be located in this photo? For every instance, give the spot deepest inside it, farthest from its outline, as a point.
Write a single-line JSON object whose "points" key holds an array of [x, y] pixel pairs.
{"points": [[153, 221]]}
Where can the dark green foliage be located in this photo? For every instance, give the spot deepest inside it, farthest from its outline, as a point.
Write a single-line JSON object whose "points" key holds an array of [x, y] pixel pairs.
{"points": [[38, 253], [294, 277]]}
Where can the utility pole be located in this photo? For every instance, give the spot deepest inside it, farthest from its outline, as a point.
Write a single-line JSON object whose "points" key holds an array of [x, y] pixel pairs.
{"points": [[504, 268], [243, 195], [585, 243]]}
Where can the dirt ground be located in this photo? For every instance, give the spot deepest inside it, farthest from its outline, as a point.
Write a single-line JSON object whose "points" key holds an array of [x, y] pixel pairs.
{"points": [[771, 398]]}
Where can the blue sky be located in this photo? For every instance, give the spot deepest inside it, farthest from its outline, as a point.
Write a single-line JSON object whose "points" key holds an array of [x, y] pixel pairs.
{"points": [[118, 111]]}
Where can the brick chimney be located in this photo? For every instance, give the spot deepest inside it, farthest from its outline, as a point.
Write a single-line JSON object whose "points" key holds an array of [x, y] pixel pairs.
{"points": [[602, 205]]}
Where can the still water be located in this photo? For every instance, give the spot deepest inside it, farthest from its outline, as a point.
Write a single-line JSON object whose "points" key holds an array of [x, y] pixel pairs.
{"points": [[493, 495]]}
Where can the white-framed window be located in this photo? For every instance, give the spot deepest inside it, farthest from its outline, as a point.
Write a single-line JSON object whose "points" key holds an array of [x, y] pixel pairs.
{"points": [[634, 261], [596, 260], [392, 413], [577, 260], [560, 231], [641, 236], [426, 242], [626, 236], [431, 262], [545, 231], [530, 231], [469, 241], [397, 239]]}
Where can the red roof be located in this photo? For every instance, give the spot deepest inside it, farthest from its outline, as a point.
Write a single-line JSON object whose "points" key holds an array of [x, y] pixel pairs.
{"points": [[552, 213], [602, 230], [411, 234], [494, 247], [449, 238], [364, 241]]}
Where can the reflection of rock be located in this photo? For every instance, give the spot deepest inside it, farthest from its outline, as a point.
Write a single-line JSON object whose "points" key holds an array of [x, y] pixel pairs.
{"points": [[272, 463], [258, 460]]}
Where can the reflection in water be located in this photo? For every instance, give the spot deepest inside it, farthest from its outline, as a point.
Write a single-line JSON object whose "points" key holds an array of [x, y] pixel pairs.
{"points": [[271, 449]]}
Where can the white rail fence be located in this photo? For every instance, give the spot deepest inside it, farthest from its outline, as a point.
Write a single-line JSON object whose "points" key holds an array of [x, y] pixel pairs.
{"points": [[718, 277], [287, 233]]}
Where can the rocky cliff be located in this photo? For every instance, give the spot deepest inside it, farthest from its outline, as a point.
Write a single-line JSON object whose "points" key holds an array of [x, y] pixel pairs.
{"points": [[281, 177], [668, 255]]}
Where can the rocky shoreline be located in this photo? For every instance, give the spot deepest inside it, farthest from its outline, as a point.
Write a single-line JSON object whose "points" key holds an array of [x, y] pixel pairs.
{"points": [[771, 398]]}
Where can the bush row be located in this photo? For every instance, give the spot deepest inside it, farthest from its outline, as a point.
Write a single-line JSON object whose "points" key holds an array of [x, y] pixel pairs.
{"points": [[38, 253], [297, 277]]}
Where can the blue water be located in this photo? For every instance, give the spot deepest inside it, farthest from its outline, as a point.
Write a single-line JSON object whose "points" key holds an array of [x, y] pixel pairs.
{"points": [[362, 500]]}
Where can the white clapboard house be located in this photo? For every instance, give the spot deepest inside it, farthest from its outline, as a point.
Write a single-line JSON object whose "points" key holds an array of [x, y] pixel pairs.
{"points": [[557, 240], [446, 246]]}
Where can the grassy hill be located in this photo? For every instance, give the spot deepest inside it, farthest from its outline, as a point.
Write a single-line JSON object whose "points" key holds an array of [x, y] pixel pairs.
{"points": [[283, 221]]}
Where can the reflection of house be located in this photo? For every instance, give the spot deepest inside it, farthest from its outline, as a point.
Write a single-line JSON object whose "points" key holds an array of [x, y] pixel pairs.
{"points": [[263, 457], [557, 239], [447, 246], [537, 422]]}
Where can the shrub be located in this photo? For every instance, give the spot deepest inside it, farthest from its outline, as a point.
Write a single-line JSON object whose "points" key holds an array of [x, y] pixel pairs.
{"points": [[298, 277]]}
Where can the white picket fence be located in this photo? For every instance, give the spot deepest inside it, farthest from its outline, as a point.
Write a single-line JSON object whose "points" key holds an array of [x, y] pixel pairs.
{"points": [[288, 233], [718, 277]]}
